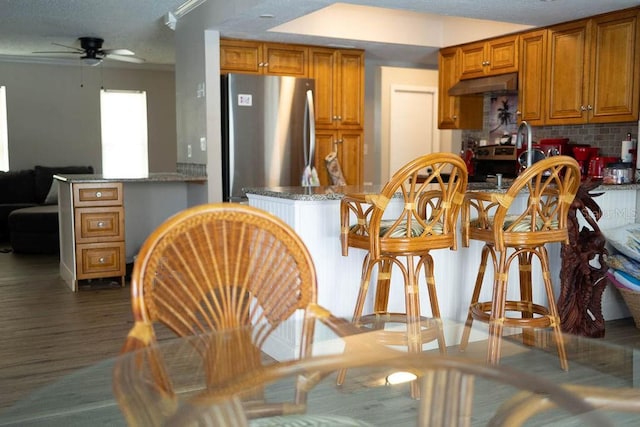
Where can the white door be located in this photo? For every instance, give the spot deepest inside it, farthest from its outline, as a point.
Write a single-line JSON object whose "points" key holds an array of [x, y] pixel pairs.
{"points": [[413, 124]]}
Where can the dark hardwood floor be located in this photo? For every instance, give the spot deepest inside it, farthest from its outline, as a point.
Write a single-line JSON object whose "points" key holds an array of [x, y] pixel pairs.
{"points": [[48, 331]]}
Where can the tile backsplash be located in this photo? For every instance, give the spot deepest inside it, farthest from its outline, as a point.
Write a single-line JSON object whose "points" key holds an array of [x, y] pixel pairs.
{"points": [[606, 136]]}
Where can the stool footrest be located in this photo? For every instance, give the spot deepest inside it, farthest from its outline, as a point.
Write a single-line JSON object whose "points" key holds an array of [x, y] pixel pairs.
{"points": [[480, 311], [429, 328]]}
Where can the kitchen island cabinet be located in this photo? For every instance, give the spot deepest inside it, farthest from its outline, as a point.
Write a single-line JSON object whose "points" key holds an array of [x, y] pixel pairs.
{"points": [[103, 222]]}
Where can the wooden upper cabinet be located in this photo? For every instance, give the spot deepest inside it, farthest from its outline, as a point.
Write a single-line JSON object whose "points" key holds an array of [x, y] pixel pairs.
{"points": [[533, 66], [614, 94], [496, 56], [263, 58], [567, 73], [455, 112], [593, 68], [339, 87]]}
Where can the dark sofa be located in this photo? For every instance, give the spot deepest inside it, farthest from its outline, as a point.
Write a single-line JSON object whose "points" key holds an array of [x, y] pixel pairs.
{"points": [[26, 189]]}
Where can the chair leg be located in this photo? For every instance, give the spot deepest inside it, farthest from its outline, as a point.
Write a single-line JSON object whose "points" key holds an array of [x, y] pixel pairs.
{"points": [[474, 298], [526, 294], [427, 263], [553, 309], [412, 304], [382, 289], [497, 315], [367, 267]]}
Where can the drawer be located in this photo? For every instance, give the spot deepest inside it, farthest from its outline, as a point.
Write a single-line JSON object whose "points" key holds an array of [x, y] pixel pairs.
{"points": [[99, 224], [97, 194], [100, 260]]}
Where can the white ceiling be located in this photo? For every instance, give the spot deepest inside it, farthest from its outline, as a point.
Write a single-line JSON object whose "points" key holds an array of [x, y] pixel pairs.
{"points": [[33, 25]]}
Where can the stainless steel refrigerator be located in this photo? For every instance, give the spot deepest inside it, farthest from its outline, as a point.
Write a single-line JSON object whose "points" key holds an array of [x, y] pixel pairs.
{"points": [[268, 133]]}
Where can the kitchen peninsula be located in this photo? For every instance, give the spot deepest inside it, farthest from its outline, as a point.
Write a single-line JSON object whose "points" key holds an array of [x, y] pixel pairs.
{"points": [[313, 212], [95, 240]]}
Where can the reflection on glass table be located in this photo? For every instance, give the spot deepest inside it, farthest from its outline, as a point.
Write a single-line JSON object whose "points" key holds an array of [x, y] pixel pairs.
{"points": [[463, 389]]}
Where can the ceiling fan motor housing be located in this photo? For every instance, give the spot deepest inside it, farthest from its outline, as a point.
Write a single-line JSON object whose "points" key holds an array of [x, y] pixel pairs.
{"points": [[91, 45]]}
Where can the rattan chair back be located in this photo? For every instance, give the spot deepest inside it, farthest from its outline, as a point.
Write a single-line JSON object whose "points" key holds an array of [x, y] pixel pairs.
{"points": [[551, 185], [222, 266], [432, 188]]}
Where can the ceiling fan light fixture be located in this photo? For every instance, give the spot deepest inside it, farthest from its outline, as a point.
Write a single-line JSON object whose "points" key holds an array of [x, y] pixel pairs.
{"points": [[91, 61]]}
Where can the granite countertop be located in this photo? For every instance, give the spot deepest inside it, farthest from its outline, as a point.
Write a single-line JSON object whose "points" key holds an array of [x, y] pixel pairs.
{"points": [[337, 192], [152, 177]]}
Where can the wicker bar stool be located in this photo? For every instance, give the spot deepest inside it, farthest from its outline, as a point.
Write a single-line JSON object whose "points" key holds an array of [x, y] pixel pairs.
{"points": [[427, 221], [551, 185]]}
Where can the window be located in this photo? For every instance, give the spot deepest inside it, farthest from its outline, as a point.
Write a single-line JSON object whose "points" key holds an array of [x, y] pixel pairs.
{"points": [[124, 133], [4, 134]]}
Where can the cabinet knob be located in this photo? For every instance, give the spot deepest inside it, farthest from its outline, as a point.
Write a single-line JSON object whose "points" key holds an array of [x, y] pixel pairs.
{"points": [[261, 64], [101, 260], [98, 194], [266, 64], [589, 107], [339, 117], [100, 224], [454, 117], [583, 108], [518, 113]]}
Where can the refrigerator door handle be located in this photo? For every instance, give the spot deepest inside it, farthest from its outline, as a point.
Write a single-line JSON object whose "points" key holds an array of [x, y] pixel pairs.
{"points": [[310, 175]]}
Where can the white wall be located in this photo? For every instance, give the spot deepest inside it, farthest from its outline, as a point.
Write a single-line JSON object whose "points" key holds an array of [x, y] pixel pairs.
{"points": [[379, 79], [197, 63], [53, 113]]}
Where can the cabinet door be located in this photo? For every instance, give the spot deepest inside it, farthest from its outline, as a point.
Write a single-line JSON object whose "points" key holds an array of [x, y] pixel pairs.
{"points": [[351, 89], [567, 56], [472, 60], [285, 60], [348, 146], [502, 55], [323, 70], [447, 77], [351, 156], [240, 56], [496, 56], [615, 66], [533, 66]]}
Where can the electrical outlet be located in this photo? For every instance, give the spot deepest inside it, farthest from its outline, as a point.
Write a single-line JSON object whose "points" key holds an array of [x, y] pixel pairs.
{"points": [[189, 150], [203, 143]]}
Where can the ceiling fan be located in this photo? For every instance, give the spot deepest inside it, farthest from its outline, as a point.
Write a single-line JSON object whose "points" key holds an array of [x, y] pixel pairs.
{"points": [[92, 53]]}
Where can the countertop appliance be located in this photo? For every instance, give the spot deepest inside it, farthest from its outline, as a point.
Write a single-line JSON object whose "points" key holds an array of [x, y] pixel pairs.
{"points": [[268, 132], [495, 159]]}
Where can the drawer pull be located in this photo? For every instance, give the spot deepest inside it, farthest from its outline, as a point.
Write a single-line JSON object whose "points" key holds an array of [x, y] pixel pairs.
{"points": [[101, 260], [98, 194], [100, 224]]}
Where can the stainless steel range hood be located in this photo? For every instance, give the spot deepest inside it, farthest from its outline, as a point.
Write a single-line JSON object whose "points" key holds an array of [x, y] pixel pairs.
{"points": [[503, 83]]}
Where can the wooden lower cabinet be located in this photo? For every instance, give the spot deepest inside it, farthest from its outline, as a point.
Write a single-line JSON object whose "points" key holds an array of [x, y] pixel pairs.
{"points": [[348, 146], [92, 231]]}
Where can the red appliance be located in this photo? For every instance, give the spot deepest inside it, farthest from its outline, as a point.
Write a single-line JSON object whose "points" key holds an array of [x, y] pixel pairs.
{"points": [[583, 153], [598, 163]]}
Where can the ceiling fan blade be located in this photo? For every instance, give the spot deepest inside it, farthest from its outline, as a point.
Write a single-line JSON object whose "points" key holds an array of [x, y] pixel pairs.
{"points": [[126, 52], [125, 58], [57, 52], [77, 49]]}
